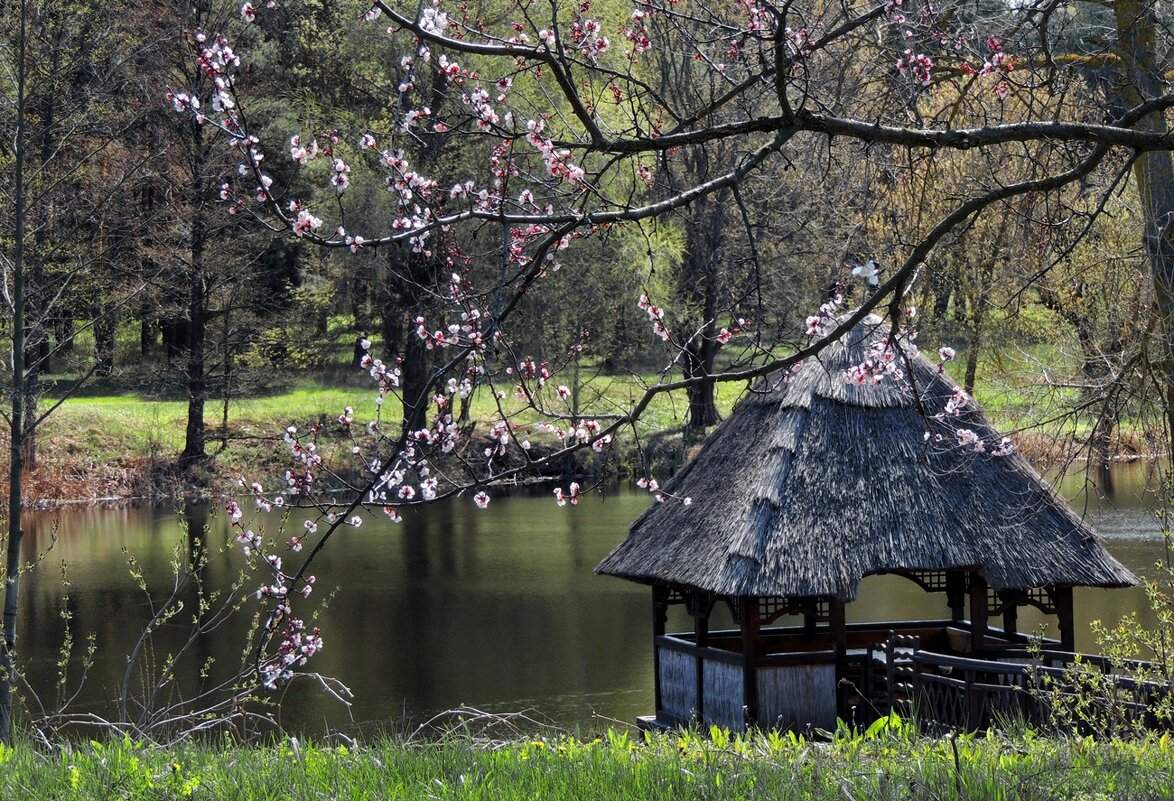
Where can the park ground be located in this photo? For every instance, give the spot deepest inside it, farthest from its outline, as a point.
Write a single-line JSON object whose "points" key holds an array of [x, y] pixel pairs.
{"points": [[873, 766], [117, 440]]}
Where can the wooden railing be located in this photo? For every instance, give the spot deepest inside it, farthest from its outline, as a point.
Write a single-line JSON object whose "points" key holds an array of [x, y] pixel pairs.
{"points": [[943, 691]]}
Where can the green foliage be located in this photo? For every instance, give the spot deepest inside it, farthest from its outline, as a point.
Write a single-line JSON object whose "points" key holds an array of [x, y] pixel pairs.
{"points": [[1088, 701], [891, 723], [683, 766], [1132, 691]]}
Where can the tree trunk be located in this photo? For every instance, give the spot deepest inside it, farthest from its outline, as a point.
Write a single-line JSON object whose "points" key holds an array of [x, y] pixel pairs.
{"points": [[946, 287], [104, 329], [197, 318], [35, 301], [698, 363], [971, 376], [146, 335], [149, 320], [701, 292], [16, 423], [1137, 28], [391, 327], [193, 445], [176, 333], [360, 297], [414, 386], [411, 291], [978, 312]]}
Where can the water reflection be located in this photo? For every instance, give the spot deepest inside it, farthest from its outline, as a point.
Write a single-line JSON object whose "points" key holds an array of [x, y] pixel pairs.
{"points": [[497, 608]]}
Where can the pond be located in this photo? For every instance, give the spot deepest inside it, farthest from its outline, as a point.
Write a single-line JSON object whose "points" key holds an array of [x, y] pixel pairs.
{"points": [[497, 609]]}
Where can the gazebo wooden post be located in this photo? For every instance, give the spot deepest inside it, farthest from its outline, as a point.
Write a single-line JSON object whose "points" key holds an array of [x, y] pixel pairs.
{"points": [[1011, 618], [956, 594], [1066, 613], [810, 615], [701, 641], [979, 612], [751, 624], [660, 612], [839, 623]]}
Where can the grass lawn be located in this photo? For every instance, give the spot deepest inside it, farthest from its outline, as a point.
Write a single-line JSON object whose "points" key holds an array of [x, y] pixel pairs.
{"points": [[145, 426], [611, 766], [105, 427]]}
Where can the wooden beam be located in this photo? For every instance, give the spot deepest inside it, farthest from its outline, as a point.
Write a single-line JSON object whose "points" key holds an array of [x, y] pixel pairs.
{"points": [[701, 639], [979, 612], [1065, 611], [660, 612], [956, 594], [751, 625], [1011, 620], [839, 622]]}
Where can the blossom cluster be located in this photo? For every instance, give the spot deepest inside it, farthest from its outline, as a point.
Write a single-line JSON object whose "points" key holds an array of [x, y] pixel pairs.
{"points": [[883, 362], [820, 325], [638, 34], [880, 363], [652, 486], [955, 407], [466, 333], [578, 432], [586, 35], [930, 31], [571, 496], [557, 160], [956, 403], [300, 478], [971, 439], [799, 41], [297, 643], [529, 370], [724, 335], [919, 65], [998, 62], [656, 315]]}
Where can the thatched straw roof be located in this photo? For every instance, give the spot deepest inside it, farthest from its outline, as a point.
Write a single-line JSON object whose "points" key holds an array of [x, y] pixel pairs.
{"points": [[814, 482]]}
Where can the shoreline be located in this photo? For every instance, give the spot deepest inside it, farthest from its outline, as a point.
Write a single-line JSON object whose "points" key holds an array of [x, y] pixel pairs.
{"points": [[153, 479]]}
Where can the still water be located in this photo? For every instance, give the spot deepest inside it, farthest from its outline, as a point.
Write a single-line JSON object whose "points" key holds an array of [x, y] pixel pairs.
{"points": [[497, 609]]}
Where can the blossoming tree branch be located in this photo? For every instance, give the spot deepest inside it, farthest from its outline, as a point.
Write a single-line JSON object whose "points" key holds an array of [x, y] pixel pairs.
{"points": [[516, 132]]}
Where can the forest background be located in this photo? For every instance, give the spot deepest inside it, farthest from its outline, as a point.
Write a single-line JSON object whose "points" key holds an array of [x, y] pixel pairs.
{"points": [[155, 304]]}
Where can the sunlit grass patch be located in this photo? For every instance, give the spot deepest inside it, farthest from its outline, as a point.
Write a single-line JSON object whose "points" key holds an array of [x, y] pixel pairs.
{"points": [[885, 764]]}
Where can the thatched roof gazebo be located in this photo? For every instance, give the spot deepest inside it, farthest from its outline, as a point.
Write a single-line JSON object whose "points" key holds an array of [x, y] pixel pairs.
{"points": [[815, 482]]}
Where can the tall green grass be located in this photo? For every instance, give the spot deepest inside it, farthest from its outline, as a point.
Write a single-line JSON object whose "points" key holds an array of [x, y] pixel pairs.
{"points": [[612, 766]]}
